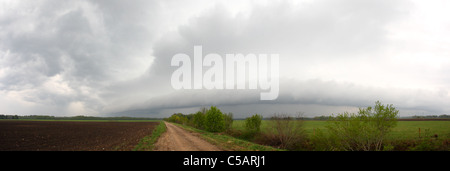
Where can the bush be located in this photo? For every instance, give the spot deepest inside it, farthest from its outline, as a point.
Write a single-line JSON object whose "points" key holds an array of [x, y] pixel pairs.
{"points": [[253, 123], [214, 120], [285, 132], [199, 120], [364, 131]]}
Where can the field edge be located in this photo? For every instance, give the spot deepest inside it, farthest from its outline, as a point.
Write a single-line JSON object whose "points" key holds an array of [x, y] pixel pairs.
{"points": [[147, 143]]}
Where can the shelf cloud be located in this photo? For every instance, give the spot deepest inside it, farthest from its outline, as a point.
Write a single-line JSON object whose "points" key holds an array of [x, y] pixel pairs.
{"points": [[113, 57]]}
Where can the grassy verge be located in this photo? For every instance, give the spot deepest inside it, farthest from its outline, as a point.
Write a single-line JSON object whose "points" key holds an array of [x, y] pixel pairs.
{"points": [[147, 143], [228, 143]]}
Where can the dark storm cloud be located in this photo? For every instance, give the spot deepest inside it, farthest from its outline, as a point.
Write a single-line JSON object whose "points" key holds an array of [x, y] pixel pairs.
{"points": [[318, 32], [87, 44], [315, 32], [113, 56], [311, 97]]}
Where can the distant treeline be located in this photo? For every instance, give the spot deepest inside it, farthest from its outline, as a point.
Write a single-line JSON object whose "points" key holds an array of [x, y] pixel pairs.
{"points": [[80, 117], [444, 116], [430, 117]]}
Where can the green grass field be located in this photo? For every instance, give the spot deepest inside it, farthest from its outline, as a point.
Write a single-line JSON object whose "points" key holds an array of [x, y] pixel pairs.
{"points": [[403, 130]]}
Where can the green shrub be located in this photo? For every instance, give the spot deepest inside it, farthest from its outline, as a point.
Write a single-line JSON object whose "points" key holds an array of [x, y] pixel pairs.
{"points": [[214, 120], [364, 131], [253, 123], [199, 120]]}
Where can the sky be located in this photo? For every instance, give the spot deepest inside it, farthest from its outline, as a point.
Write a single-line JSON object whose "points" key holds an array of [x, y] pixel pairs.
{"points": [[113, 57]]}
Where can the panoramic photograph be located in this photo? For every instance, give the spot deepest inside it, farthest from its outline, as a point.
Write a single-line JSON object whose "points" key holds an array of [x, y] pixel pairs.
{"points": [[225, 75]]}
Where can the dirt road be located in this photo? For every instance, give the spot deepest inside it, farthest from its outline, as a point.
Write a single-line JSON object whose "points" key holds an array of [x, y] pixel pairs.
{"points": [[178, 139]]}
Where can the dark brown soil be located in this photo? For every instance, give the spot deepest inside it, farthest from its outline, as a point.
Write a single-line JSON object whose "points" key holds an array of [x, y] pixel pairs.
{"points": [[72, 136]]}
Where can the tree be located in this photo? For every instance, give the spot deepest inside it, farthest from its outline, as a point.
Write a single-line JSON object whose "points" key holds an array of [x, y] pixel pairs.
{"points": [[214, 120], [364, 131]]}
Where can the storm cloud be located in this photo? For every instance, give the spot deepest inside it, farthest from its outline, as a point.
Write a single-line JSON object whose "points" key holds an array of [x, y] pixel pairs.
{"points": [[113, 57]]}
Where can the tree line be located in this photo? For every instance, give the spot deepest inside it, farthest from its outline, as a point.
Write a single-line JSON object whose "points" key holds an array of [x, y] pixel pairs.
{"points": [[212, 120], [430, 116]]}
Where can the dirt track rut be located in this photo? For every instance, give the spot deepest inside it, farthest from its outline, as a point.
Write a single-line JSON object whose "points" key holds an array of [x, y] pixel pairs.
{"points": [[178, 139]]}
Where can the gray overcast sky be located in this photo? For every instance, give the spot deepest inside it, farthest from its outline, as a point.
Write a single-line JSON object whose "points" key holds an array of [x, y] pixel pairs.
{"points": [[112, 57]]}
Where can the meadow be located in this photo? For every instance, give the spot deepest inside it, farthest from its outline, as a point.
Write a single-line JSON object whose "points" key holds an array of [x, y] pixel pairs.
{"points": [[403, 131], [372, 129]]}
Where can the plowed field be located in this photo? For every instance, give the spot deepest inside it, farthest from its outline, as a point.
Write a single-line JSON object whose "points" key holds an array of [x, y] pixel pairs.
{"points": [[72, 136]]}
